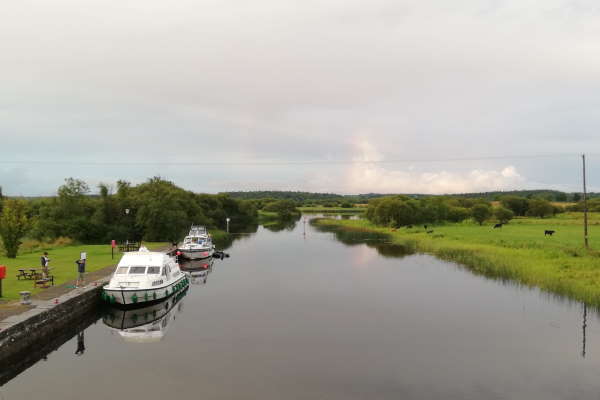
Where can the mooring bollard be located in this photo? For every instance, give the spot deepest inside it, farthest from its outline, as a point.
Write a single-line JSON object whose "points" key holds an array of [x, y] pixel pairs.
{"points": [[25, 297]]}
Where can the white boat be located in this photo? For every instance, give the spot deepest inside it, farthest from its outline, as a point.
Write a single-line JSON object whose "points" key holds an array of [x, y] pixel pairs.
{"points": [[144, 276], [197, 244]]}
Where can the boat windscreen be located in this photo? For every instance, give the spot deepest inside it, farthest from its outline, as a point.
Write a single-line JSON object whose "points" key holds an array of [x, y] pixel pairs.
{"points": [[122, 270], [137, 270], [153, 270]]}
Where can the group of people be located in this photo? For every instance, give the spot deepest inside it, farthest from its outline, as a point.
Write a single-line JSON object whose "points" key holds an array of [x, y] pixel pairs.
{"points": [[45, 261]]}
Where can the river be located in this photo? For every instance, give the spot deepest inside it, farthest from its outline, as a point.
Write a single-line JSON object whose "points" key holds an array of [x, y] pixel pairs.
{"points": [[320, 316]]}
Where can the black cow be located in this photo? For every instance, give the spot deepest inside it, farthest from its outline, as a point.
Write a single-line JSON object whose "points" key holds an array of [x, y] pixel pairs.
{"points": [[425, 226], [430, 231], [549, 233], [409, 226], [497, 226]]}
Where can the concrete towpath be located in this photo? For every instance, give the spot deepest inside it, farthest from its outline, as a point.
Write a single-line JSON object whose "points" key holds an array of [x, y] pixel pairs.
{"points": [[42, 298]]}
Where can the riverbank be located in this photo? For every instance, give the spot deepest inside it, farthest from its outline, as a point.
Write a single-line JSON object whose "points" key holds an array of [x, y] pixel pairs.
{"points": [[337, 210], [518, 251], [63, 268]]}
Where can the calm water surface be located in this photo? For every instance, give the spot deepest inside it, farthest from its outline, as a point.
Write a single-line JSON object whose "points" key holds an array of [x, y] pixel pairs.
{"points": [[320, 317]]}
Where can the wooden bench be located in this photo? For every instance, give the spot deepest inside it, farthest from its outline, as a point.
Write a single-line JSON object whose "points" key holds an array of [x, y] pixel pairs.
{"points": [[130, 246], [22, 274], [43, 283]]}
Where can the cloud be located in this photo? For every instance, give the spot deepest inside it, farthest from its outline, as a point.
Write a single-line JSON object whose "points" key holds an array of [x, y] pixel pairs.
{"points": [[274, 80], [364, 177]]}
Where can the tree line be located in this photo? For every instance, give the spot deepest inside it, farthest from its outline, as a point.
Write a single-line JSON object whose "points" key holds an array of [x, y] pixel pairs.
{"points": [[397, 211], [156, 210]]}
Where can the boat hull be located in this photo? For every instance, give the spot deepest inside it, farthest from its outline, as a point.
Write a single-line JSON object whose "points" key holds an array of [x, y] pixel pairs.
{"points": [[134, 297], [196, 254]]}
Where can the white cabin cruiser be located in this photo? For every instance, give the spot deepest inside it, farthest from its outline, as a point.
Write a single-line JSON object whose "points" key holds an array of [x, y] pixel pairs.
{"points": [[144, 276], [197, 244]]}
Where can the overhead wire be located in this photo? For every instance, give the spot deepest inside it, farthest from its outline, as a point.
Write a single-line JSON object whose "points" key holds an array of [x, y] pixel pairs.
{"points": [[284, 162]]}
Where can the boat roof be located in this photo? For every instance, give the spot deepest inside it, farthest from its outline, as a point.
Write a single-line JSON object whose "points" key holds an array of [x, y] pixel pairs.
{"points": [[143, 257], [197, 230]]}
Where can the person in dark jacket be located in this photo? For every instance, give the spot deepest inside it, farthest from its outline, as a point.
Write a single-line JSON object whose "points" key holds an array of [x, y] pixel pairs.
{"points": [[80, 272]]}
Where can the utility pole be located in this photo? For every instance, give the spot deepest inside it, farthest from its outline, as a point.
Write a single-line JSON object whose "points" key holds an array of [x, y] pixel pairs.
{"points": [[585, 208]]}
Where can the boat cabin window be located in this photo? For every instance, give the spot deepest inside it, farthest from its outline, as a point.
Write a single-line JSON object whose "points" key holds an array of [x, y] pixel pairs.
{"points": [[122, 270], [153, 270], [137, 270]]}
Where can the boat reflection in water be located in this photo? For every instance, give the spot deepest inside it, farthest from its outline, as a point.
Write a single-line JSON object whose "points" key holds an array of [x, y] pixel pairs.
{"points": [[147, 324], [198, 270]]}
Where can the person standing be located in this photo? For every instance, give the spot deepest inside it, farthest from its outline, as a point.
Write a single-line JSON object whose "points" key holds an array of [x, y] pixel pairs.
{"points": [[80, 272], [44, 260]]}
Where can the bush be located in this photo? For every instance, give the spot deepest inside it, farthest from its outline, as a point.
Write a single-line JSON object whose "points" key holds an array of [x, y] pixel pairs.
{"points": [[481, 212], [540, 208], [13, 226], [503, 215]]}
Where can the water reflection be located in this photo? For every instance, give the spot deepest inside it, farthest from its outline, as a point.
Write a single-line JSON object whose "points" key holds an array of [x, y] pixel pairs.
{"points": [[238, 232], [378, 241], [80, 344], [147, 324], [583, 330], [10, 367], [279, 225]]}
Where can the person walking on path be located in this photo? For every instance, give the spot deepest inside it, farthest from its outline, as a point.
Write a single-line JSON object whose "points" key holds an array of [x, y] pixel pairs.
{"points": [[44, 260], [80, 272]]}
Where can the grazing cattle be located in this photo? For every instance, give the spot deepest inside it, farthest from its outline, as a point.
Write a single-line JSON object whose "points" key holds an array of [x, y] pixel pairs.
{"points": [[549, 233], [497, 226], [430, 231], [409, 226]]}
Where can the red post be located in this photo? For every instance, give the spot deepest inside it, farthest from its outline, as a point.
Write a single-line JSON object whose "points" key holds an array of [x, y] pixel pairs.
{"points": [[2, 276]]}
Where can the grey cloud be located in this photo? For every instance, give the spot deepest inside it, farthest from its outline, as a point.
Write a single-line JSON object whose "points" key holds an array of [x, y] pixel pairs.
{"points": [[285, 80]]}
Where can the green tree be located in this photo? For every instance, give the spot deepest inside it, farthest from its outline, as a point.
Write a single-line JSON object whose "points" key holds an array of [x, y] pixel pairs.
{"points": [[285, 209], [458, 214], [560, 196], [518, 205], [481, 212], [576, 197], [503, 215], [540, 208], [13, 226]]}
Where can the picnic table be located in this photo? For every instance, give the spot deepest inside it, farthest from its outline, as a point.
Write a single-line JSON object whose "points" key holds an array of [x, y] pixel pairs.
{"points": [[35, 274]]}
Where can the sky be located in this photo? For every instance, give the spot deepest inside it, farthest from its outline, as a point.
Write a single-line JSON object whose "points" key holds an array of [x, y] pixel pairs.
{"points": [[346, 96]]}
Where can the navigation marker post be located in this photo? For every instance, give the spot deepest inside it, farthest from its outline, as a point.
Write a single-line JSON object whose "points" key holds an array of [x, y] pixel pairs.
{"points": [[227, 219], [585, 208]]}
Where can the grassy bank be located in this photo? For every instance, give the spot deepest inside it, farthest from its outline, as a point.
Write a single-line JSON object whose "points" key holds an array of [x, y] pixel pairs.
{"points": [[62, 262], [518, 251], [337, 210]]}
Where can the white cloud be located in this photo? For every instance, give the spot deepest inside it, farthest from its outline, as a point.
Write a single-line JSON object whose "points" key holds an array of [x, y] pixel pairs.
{"points": [[363, 177]]}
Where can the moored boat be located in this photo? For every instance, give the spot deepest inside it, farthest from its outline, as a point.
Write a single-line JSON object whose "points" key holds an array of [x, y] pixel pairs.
{"points": [[197, 244], [144, 276]]}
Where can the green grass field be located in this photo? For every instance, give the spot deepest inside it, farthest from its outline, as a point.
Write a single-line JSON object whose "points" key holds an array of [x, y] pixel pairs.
{"points": [[518, 251], [62, 262]]}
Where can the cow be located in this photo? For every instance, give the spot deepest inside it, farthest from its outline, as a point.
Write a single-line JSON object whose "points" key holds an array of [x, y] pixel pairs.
{"points": [[425, 226], [430, 231], [548, 232], [409, 226], [497, 226]]}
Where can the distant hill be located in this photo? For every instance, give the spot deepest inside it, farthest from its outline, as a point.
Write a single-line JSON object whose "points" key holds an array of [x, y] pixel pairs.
{"points": [[320, 198]]}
